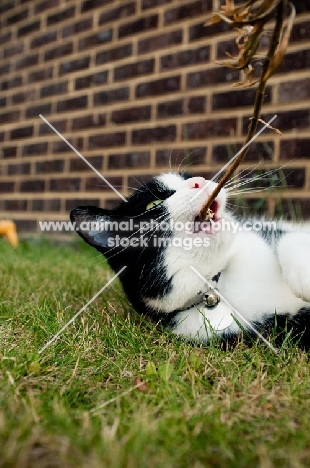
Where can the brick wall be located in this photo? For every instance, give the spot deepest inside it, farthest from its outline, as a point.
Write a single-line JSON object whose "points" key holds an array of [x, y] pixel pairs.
{"points": [[133, 85]]}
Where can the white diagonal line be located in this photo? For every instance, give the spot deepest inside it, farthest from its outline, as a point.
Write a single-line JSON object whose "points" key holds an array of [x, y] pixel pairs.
{"points": [[243, 319], [234, 157], [82, 157], [80, 311]]}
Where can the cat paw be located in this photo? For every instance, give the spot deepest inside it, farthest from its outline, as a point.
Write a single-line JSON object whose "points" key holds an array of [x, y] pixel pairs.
{"points": [[299, 283], [294, 259]]}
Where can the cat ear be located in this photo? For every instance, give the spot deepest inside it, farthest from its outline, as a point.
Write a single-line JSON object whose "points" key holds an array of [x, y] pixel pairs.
{"points": [[92, 224]]}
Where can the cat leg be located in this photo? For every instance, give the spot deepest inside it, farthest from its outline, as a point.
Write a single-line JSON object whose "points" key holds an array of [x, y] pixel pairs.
{"points": [[294, 258]]}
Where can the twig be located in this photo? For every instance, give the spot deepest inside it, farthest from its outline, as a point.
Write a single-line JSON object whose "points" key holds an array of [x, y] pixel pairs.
{"points": [[275, 54]]}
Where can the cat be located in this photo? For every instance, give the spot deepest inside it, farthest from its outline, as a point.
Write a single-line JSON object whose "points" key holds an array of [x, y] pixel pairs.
{"points": [[217, 279]]}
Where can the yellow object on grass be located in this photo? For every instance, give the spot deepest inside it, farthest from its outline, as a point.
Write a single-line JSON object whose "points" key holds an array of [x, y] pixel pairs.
{"points": [[8, 229]]}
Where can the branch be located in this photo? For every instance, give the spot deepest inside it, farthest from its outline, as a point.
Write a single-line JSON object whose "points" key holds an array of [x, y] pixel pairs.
{"points": [[276, 51]]}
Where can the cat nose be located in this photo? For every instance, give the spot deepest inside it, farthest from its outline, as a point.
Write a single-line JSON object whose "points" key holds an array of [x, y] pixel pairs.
{"points": [[196, 182]]}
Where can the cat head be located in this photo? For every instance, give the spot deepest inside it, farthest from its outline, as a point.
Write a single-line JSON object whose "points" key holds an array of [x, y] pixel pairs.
{"points": [[155, 232], [169, 200]]}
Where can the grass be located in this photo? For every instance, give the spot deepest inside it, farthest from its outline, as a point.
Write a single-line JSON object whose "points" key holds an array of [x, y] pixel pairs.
{"points": [[78, 405]]}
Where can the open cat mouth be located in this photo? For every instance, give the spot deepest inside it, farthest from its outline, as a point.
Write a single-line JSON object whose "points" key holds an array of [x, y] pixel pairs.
{"points": [[206, 226]]}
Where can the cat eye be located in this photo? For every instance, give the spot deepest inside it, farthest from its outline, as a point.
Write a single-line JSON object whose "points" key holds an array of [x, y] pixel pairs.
{"points": [[153, 203]]}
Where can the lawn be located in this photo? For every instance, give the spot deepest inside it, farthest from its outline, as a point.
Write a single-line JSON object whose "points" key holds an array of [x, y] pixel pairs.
{"points": [[117, 391]]}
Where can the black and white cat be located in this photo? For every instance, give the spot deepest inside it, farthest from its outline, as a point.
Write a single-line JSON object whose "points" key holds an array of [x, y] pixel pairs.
{"points": [[261, 270]]}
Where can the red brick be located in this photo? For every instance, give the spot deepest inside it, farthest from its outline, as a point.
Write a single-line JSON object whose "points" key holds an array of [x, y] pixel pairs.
{"points": [[9, 117], [111, 55], [301, 7], [35, 149], [132, 114], [40, 75], [12, 83], [27, 61], [74, 65], [77, 27], [157, 87], [77, 164], [297, 90], [6, 37], [7, 187], [60, 51], [200, 31], [26, 225], [297, 148], [4, 69], [95, 184], [295, 61], [146, 4], [257, 152], [107, 97], [211, 77], [92, 4], [9, 152], [29, 28], [161, 41], [194, 105], [238, 98], [292, 120], [23, 132], [35, 111], [17, 17], [209, 129], [190, 10], [19, 169], [154, 134], [72, 104], [129, 160], [300, 32], [61, 146], [6, 6], [43, 39], [47, 4], [15, 205], [45, 205], [134, 69], [61, 16], [89, 121], [37, 185], [185, 58], [122, 11], [138, 26], [60, 125], [54, 89], [95, 39], [65, 184], [13, 50], [94, 79], [46, 167], [107, 140], [180, 158]]}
